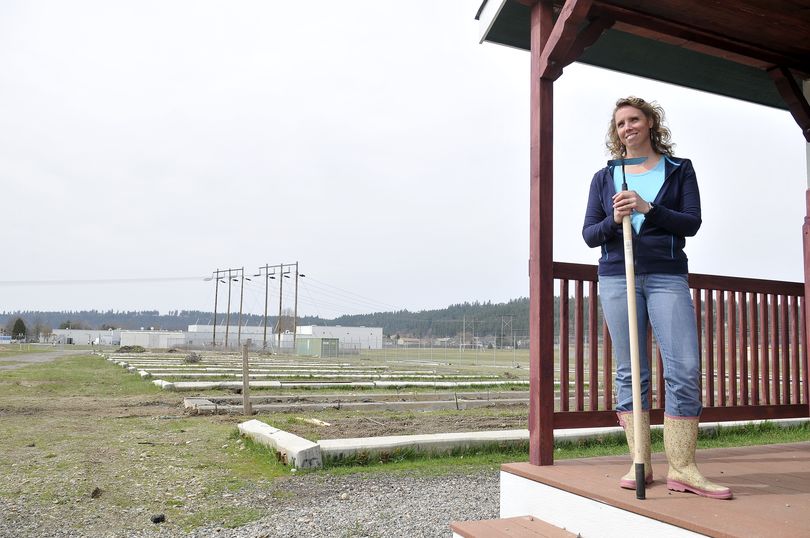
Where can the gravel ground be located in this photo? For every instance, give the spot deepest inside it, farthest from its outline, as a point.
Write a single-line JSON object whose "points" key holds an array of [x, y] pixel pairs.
{"points": [[314, 505]]}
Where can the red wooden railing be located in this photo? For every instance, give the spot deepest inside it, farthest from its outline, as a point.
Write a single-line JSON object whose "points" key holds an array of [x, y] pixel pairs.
{"points": [[751, 337]]}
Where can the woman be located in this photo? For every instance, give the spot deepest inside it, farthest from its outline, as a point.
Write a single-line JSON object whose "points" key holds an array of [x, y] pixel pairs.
{"points": [[663, 203]]}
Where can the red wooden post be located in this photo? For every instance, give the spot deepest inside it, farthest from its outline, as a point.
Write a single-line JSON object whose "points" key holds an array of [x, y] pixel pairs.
{"points": [[541, 277]]}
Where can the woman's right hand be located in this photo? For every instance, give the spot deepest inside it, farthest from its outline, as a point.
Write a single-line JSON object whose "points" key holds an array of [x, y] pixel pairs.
{"points": [[625, 202]]}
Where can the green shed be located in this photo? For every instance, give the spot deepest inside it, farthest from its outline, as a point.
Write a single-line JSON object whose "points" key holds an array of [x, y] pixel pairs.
{"points": [[317, 347]]}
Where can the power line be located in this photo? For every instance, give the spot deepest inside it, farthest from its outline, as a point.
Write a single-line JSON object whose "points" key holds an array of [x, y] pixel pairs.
{"points": [[79, 281]]}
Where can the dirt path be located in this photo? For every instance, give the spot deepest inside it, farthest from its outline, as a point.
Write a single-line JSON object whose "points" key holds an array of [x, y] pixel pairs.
{"points": [[24, 359]]}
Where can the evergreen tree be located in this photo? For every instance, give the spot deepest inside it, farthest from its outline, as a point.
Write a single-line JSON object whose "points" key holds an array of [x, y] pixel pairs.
{"points": [[19, 330]]}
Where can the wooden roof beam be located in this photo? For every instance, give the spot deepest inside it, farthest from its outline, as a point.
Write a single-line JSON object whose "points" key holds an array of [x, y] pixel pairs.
{"points": [[794, 97], [562, 37], [699, 40], [586, 37]]}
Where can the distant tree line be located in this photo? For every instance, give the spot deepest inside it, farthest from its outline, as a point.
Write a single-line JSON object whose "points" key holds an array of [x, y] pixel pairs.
{"points": [[478, 318]]}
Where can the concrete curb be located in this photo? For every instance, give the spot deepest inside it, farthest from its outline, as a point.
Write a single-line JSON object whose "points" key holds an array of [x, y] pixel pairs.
{"points": [[292, 450], [428, 444], [330, 449]]}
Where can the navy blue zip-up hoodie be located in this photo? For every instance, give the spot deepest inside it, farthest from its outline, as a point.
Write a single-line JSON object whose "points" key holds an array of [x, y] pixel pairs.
{"points": [[658, 246]]}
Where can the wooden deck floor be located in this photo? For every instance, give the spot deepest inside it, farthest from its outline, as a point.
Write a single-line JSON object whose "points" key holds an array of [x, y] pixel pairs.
{"points": [[771, 486]]}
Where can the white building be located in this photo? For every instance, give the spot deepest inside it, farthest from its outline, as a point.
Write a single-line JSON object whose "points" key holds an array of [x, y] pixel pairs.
{"points": [[153, 339], [110, 337], [351, 338], [202, 336]]}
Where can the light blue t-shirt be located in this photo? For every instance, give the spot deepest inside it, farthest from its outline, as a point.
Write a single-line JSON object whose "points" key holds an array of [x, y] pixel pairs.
{"points": [[647, 184]]}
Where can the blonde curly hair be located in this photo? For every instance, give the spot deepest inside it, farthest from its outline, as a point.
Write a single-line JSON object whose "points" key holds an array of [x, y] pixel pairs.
{"points": [[660, 137]]}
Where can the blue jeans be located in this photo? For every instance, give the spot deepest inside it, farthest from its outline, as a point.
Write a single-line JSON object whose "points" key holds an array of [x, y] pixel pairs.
{"points": [[665, 301]]}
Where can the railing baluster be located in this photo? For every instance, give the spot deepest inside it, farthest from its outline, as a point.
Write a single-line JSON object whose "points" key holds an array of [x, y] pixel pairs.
{"points": [[649, 363], [805, 353], [709, 357], [721, 347], [774, 330], [662, 392], [593, 350], [579, 349], [744, 348], [698, 320], [754, 337], [794, 349], [765, 373], [784, 324], [564, 346], [732, 343], [607, 348]]}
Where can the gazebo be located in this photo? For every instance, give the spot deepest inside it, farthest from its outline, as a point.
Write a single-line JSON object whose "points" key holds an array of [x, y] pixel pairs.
{"points": [[752, 332]]}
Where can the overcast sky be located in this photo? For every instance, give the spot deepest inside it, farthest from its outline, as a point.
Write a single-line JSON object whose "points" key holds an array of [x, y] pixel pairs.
{"points": [[376, 143]]}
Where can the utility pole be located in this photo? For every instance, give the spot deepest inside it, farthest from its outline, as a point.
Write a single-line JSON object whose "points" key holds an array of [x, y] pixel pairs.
{"points": [[267, 277], [216, 293], [231, 274], [241, 299], [281, 278], [505, 325], [228, 315], [463, 331], [295, 309]]}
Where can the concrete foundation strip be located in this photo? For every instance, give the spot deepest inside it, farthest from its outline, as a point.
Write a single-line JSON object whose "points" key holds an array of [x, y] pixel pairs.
{"points": [[295, 450]]}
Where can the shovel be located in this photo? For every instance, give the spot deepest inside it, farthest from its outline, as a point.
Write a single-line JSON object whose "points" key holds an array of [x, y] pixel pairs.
{"points": [[632, 321]]}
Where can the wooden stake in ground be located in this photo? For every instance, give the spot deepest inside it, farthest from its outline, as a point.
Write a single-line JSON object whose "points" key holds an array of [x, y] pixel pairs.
{"points": [[247, 409]]}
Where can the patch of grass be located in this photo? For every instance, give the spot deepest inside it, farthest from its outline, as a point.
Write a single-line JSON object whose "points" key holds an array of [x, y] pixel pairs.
{"points": [[408, 458], [256, 460], [765, 433], [81, 375], [58, 448], [454, 461]]}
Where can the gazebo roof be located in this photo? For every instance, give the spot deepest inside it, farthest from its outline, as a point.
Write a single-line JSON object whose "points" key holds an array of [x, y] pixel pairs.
{"points": [[742, 48]]}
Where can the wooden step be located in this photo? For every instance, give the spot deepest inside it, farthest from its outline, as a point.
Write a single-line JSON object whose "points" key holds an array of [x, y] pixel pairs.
{"points": [[512, 527]]}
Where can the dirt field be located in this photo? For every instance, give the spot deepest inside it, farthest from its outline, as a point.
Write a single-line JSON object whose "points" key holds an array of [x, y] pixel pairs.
{"points": [[93, 448]]}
